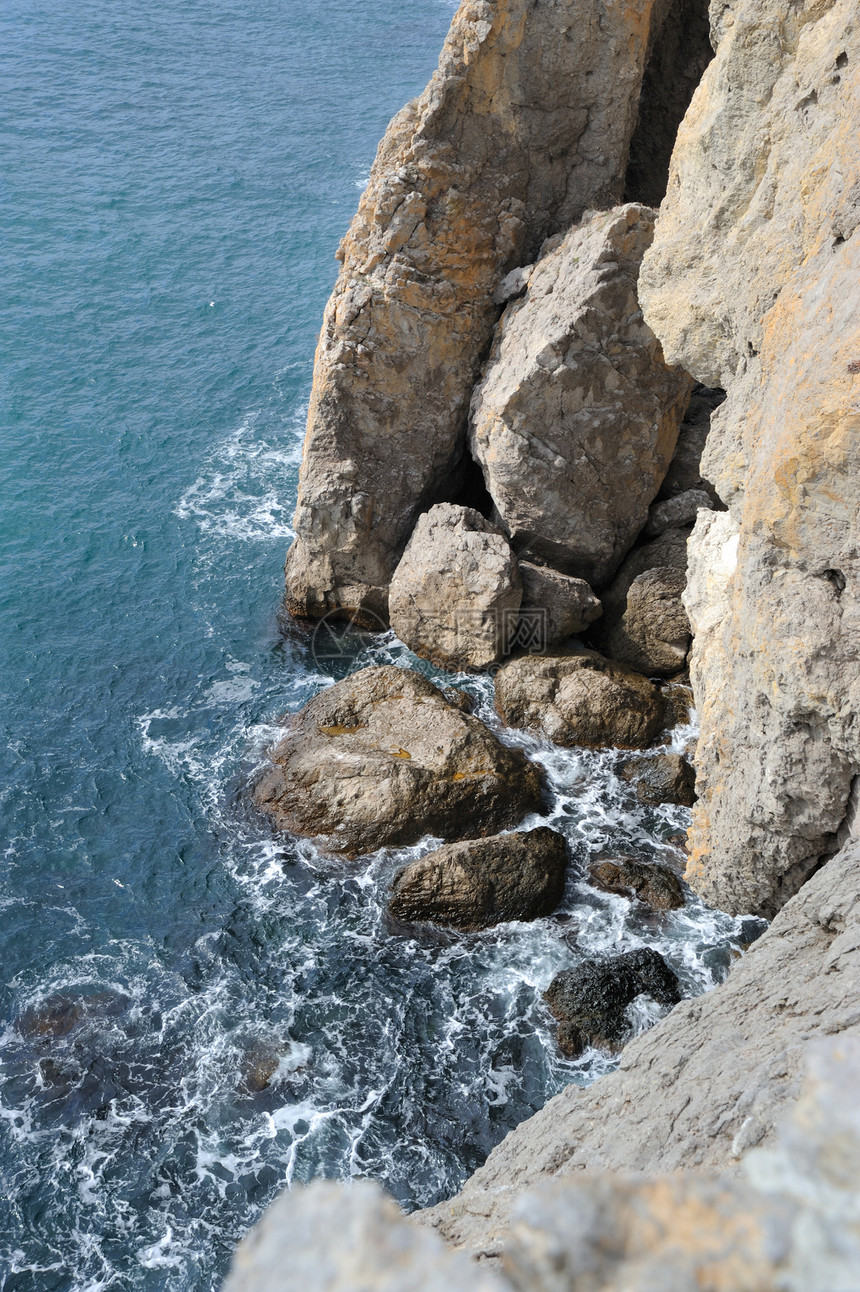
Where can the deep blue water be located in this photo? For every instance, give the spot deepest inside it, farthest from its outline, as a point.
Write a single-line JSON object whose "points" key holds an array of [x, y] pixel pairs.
{"points": [[175, 179]]}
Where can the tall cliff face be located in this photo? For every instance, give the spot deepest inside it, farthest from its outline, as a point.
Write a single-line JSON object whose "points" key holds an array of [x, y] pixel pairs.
{"points": [[753, 283], [526, 122]]}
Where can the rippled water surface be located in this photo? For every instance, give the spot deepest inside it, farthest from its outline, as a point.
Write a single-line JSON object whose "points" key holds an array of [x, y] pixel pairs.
{"points": [[194, 1012]]}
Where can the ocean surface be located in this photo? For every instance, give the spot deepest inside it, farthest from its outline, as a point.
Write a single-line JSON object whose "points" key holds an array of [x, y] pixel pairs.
{"points": [[195, 1013]]}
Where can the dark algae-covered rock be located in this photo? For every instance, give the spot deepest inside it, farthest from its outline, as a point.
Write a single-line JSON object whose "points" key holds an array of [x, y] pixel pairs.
{"points": [[665, 778], [479, 883], [383, 758], [589, 1002], [655, 885]]}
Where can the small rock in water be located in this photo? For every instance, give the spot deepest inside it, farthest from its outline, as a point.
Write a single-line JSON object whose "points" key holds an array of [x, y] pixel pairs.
{"points": [[476, 884], [383, 758], [655, 885], [589, 1002], [580, 700], [665, 778]]}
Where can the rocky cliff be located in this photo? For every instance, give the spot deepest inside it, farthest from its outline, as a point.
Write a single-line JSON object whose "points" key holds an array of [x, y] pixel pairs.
{"points": [[753, 284]]}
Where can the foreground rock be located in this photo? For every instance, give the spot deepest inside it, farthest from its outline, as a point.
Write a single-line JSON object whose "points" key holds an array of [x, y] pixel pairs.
{"points": [[477, 884], [665, 778], [652, 884], [706, 1083], [590, 1001], [555, 606], [455, 596], [571, 456], [580, 700], [790, 1222], [526, 122], [753, 284], [383, 758]]}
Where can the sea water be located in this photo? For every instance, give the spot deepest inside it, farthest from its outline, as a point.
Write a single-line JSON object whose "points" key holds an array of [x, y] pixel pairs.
{"points": [[196, 1013]]}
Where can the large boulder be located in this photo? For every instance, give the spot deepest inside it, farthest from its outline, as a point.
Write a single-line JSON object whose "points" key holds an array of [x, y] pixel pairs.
{"points": [[590, 1001], [478, 883], [753, 284], [653, 634], [526, 122], [652, 884], [577, 416], [580, 700], [555, 606], [383, 758], [455, 596]]}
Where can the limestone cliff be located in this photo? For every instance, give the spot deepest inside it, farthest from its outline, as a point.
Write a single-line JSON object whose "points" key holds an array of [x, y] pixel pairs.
{"points": [[526, 122], [753, 283]]}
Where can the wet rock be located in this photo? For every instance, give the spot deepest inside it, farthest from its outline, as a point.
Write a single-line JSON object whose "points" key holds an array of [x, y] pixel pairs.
{"points": [[653, 634], [59, 1016], [589, 1002], [665, 778], [526, 123], [678, 699], [260, 1062], [681, 509], [476, 884], [571, 461], [580, 700], [555, 606], [382, 758], [455, 596], [655, 885]]}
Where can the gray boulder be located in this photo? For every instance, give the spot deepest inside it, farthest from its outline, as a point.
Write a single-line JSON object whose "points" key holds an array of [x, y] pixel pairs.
{"points": [[455, 596], [479, 883], [383, 758], [555, 605], [680, 509], [580, 700], [653, 634], [571, 455]]}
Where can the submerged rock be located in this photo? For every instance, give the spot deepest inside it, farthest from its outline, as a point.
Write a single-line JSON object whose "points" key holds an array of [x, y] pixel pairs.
{"points": [[526, 122], [477, 884], [555, 606], [665, 778], [571, 456], [580, 700], [589, 1002], [455, 596], [383, 758], [655, 885]]}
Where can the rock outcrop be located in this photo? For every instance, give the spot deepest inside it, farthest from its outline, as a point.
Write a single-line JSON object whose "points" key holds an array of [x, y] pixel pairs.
{"points": [[576, 418], [652, 884], [580, 700], [479, 883], [383, 758], [753, 284], [455, 596], [590, 1001], [526, 122], [705, 1084], [555, 606]]}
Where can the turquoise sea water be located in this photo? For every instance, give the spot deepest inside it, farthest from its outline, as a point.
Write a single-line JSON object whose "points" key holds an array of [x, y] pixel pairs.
{"points": [[193, 1012]]}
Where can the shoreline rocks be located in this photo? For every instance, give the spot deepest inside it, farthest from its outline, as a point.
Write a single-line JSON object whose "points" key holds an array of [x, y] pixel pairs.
{"points": [[589, 1002], [665, 778], [383, 758], [580, 699], [477, 884], [654, 885]]}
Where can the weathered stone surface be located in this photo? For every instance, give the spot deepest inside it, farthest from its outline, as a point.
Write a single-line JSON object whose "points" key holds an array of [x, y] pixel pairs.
{"points": [[589, 1002], [653, 635], [526, 123], [685, 472], [479, 883], [665, 778], [576, 418], [668, 551], [754, 284], [455, 596], [706, 1083], [580, 700], [337, 1238], [681, 509], [556, 604], [655, 885], [382, 758]]}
